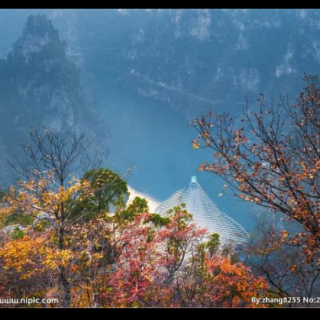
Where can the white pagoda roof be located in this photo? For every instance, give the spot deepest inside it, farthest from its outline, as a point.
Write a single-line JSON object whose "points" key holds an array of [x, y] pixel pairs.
{"points": [[205, 213]]}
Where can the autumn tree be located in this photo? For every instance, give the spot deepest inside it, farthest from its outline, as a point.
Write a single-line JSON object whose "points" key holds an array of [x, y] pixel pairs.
{"points": [[49, 161], [280, 262], [272, 159], [143, 260], [159, 265]]}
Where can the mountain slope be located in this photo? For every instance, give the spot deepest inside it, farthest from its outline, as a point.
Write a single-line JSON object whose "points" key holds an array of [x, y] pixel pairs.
{"points": [[40, 85]]}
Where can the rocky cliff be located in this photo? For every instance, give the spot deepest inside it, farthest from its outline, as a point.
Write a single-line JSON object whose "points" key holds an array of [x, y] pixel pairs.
{"points": [[39, 84]]}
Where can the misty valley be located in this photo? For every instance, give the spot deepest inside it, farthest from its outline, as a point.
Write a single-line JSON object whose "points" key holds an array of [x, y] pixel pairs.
{"points": [[159, 158]]}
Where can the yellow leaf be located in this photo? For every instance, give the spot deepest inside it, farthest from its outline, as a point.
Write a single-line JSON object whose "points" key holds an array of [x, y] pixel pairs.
{"points": [[196, 145]]}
